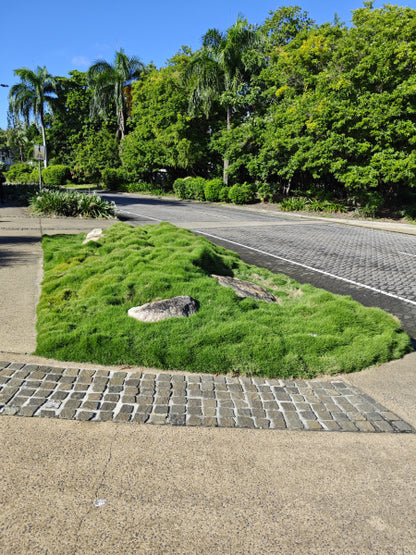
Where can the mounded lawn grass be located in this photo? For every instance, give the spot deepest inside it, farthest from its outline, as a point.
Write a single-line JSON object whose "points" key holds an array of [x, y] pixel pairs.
{"points": [[87, 290]]}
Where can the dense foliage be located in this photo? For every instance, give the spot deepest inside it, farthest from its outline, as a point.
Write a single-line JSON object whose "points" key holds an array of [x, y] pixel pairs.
{"points": [[320, 112], [71, 204]]}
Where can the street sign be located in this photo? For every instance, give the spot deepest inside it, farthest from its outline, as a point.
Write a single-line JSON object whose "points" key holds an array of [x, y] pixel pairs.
{"points": [[38, 152]]}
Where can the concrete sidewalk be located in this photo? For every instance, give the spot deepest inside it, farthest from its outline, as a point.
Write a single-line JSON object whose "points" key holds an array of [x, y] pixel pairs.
{"points": [[103, 487]]}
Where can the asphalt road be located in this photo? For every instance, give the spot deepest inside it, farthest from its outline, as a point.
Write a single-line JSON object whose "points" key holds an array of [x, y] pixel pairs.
{"points": [[377, 268]]}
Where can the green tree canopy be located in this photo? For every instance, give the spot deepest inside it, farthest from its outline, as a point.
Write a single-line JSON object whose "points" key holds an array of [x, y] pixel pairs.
{"points": [[35, 90], [111, 84], [221, 70]]}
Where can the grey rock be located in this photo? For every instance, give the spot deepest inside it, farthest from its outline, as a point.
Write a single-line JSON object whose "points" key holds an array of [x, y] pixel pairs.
{"points": [[246, 289], [93, 235], [177, 307]]}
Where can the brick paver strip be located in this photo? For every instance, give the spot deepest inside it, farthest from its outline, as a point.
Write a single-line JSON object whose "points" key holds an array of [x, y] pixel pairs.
{"points": [[191, 400]]}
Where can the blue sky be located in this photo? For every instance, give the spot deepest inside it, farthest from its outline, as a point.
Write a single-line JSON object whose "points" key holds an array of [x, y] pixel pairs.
{"points": [[72, 35]]}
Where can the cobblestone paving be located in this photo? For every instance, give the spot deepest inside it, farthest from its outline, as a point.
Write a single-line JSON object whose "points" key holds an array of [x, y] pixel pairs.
{"points": [[190, 400], [380, 259]]}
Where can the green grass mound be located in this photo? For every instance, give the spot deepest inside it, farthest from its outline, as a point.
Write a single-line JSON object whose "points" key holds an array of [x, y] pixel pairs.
{"points": [[87, 290]]}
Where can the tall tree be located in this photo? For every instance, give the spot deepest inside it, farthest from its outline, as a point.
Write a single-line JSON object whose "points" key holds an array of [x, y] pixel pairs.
{"points": [[36, 88], [220, 70], [111, 85]]}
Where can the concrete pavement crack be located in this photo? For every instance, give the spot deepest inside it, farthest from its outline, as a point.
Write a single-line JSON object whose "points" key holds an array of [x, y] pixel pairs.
{"points": [[98, 488]]}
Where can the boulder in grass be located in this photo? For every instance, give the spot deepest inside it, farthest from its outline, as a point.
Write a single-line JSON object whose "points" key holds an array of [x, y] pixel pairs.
{"points": [[93, 235], [246, 289], [177, 307]]}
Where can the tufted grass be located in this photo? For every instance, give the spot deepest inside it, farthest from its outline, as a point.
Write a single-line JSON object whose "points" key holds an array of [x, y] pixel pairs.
{"points": [[87, 290]]}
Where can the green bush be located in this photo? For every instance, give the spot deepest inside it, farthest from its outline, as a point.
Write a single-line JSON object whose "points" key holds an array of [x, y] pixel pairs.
{"points": [[195, 188], [179, 187], [34, 176], [115, 178], [212, 189], [268, 192], [293, 204], [19, 173], [242, 194], [224, 194], [71, 204], [56, 175]]}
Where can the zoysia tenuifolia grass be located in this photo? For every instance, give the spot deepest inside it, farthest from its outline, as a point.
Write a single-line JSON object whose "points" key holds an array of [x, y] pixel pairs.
{"points": [[88, 289]]}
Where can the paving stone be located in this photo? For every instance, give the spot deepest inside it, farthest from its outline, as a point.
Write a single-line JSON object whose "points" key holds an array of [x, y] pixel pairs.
{"points": [[72, 403], [347, 426], [67, 413], [210, 421], [401, 426], [90, 405], [81, 387], [28, 410], [331, 425], [32, 390], [9, 410], [293, 421], [60, 395], [382, 426], [227, 422], [225, 412], [244, 422], [122, 417], [209, 412], [177, 419], [84, 415], [313, 425], [364, 426], [47, 413], [193, 420], [26, 392], [105, 415], [98, 388], [262, 423]]}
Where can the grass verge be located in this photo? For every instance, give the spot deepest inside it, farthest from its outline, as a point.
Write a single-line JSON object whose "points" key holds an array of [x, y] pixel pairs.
{"points": [[87, 290]]}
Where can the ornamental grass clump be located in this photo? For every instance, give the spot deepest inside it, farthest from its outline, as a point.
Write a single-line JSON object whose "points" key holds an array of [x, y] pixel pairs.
{"points": [[71, 204], [88, 289]]}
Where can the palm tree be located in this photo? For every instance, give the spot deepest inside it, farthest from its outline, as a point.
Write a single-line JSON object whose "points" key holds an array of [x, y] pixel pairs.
{"points": [[36, 88], [219, 70], [111, 86]]}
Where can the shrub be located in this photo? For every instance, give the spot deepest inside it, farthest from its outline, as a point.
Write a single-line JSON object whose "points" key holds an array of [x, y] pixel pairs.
{"points": [[56, 175], [212, 189], [224, 194], [195, 188], [269, 192], [293, 204], [242, 194], [115, 178], [179, 187], [34, 176], [19, 173], [71, 204]]}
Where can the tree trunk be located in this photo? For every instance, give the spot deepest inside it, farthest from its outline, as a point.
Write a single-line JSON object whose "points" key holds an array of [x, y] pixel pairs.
{"points": [[122, 124], [226, 161], [42, 124]]}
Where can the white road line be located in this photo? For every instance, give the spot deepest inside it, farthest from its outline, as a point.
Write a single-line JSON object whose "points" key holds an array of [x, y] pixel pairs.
{"points": [[138, 215], [357, 283]]}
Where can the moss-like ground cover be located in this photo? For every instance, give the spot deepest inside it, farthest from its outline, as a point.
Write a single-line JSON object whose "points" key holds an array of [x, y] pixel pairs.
{"points": [[87, 290]]}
